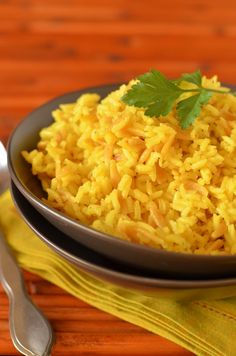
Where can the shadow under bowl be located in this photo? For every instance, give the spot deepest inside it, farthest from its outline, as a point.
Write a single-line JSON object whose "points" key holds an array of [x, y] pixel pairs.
{"points": [[171, 264]]}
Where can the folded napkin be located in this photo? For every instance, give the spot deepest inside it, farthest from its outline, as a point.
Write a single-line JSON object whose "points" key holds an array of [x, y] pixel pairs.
{"points": [[206, 328]]}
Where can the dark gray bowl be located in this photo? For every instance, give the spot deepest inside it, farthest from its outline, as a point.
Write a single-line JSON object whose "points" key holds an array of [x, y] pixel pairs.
{"points": [[171, 264], [118, 274]]}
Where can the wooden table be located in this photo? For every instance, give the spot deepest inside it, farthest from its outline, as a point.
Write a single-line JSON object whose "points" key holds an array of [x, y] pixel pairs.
{"points": [[48, 47]]}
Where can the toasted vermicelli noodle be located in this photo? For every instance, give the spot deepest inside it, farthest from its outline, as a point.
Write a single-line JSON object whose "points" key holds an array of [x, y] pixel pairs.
{"points": [[144, 179]]}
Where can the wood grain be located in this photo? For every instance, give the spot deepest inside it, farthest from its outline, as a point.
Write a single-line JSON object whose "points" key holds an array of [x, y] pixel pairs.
{"points": [[49, 47]]}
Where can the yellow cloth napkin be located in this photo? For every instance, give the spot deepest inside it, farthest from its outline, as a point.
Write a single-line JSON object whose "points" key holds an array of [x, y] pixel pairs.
{"points": [[207, 328]]}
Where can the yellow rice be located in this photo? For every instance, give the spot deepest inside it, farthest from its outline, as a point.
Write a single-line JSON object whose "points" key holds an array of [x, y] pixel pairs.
{"points": [[144, 179]]}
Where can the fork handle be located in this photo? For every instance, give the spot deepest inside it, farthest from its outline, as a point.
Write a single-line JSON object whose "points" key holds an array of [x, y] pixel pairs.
{"points": [[30, 331]]}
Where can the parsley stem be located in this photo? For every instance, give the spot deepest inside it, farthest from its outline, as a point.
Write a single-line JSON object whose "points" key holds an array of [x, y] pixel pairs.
{"points": [[198, 90], [215, 90], [191, 90]]}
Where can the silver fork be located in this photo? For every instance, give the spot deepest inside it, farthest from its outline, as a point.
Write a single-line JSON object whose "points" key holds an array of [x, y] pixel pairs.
{"points": [[30, 331]]}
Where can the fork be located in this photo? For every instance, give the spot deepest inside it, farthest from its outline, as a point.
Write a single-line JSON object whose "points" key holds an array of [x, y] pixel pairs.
{"points": [[30, 331]]}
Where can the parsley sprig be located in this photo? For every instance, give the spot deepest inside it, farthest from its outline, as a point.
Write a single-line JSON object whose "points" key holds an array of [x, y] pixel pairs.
{"points": [[158, 95]]}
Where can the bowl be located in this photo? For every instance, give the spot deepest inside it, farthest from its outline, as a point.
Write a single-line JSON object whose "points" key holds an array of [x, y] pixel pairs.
{"points": [[172, 264], [105, 269]]}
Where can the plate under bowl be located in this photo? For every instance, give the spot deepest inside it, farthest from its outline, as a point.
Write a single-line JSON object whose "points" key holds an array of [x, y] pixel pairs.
{"points": [[26, 136], [105, 269]]}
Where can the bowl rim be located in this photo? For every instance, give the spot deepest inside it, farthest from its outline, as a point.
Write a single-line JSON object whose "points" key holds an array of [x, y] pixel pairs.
{"points": [[66, 219]]}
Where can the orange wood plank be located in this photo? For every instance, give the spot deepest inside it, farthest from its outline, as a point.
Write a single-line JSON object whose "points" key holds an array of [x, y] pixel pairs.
{"points": [[65, 47], [198, 11]]}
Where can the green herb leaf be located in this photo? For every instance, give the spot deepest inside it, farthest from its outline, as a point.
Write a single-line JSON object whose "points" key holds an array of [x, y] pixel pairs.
{"points": [[157, 95], [194, 78], [154, 92], [140, 95], [189, 109], [161, 107]]}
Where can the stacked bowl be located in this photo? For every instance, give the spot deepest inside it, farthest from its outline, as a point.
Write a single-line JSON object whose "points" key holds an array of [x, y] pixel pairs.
{"points": [[123, 263]]}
